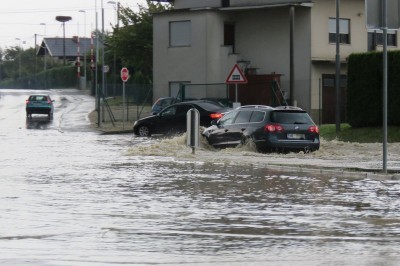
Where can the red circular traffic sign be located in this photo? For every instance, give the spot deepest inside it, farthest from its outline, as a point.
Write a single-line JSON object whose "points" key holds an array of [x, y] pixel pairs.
{"points": [[124, 74]]}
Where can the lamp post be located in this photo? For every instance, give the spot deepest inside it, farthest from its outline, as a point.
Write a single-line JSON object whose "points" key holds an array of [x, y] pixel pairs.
{"points": [[95, 69], [63, 19], [44, 48], [337, 74], [103, 90], [45, 55], [116, 7], [84, 43], [19, 58]]}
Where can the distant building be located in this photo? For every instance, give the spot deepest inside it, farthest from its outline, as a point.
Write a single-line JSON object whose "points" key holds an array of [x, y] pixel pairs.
{"points": [[54, 47]]}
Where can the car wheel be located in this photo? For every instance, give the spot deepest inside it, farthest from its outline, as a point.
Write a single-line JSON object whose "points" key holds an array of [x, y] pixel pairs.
{"points": [[244, 140], [249, 142], [144, 131]]}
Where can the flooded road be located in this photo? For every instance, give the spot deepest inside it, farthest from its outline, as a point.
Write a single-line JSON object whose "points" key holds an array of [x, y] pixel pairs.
{"points": [[71, 196]]}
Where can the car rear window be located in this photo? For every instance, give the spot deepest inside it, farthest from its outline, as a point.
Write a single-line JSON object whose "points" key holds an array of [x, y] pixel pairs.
{"points": [[286, 117], [38, 98]]}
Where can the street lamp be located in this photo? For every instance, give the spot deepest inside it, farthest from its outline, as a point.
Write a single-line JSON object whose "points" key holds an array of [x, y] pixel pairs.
{"points": [[44, 48], [96, 72], [19, 57], [45, 55], [63, 19], [84, 42], [116, 7]]}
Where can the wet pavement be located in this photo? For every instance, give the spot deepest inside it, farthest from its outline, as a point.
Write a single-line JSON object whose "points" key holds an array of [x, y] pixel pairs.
{"points": [[72, 196]]}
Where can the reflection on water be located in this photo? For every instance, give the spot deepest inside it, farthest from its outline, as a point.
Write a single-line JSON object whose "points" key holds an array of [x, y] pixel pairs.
{"points": [[38, 122]]}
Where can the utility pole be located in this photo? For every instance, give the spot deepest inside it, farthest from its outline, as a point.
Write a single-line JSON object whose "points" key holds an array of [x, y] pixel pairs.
{"points": [[116, 6], [291, 88], [84, 44], [337, 78], [44, 56], [35, 51]]}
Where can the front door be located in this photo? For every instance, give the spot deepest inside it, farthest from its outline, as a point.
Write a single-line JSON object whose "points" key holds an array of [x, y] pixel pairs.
{"points": [[329, 99]]}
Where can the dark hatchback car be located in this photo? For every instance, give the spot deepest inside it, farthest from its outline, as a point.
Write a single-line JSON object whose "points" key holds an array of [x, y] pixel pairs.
{"points": [[161, 103], [172, 120], [270, 128], [39, 104]]}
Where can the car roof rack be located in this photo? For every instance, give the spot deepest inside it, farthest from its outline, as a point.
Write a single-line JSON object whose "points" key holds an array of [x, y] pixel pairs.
{"points": [[287, 107], [255, 106]]}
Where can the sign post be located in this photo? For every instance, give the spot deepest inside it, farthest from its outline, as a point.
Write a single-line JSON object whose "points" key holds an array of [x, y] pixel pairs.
{"points": [[383, 15], [236, 77], [124, 77], [192, 128]]}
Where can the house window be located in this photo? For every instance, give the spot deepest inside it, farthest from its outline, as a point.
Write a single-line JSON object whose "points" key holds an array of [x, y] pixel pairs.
{"points": [[376, 38], [225, 3], [344, 30], [229, 35], [179, 33]]}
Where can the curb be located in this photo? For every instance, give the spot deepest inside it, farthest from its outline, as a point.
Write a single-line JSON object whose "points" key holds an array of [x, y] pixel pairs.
{"points": [[115, 132], [375, 174]]}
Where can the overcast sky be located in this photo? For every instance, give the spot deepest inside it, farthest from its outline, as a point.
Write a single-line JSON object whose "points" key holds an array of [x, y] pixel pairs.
{"points": [[20, 20]]}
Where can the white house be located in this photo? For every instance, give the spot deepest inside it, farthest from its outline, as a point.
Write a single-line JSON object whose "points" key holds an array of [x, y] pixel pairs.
{"points": [[198, 42]]}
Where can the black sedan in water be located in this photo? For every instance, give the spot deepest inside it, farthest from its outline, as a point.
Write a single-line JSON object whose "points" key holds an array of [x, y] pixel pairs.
{"points": [[172, 120]]}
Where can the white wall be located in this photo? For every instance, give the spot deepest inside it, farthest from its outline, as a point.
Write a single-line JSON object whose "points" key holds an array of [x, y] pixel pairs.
{"points": [[349, 9], [322, 49], [262, 37], [204, 61]]}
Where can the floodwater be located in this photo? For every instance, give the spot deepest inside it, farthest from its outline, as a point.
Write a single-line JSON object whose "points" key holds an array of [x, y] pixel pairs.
{"points": [[71, 196]]}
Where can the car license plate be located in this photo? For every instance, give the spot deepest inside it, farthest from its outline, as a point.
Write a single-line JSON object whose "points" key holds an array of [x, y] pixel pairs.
{"points": [[295, 136]]}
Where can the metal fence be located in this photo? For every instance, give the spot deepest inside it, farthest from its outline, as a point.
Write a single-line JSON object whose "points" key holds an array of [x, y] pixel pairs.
{"points": [[138, 100]]}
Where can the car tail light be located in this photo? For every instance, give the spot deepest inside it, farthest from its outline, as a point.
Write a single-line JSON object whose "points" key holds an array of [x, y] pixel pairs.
{"points": [[273, 128], [313, 129], [48, 101], [27, 101], [214, 116]]}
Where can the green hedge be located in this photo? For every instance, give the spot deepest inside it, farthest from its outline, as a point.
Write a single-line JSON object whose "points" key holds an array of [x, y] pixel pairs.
{"points": [[60, 77], [364, 91]]}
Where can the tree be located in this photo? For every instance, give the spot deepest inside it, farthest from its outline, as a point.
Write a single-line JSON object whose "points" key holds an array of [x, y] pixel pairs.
{"points": [[10, 63], [15, 61], [1, 64], [133, 41]]}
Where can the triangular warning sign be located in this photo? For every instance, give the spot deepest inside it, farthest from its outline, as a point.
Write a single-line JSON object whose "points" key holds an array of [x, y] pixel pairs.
{"points": [[236, 76]]}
